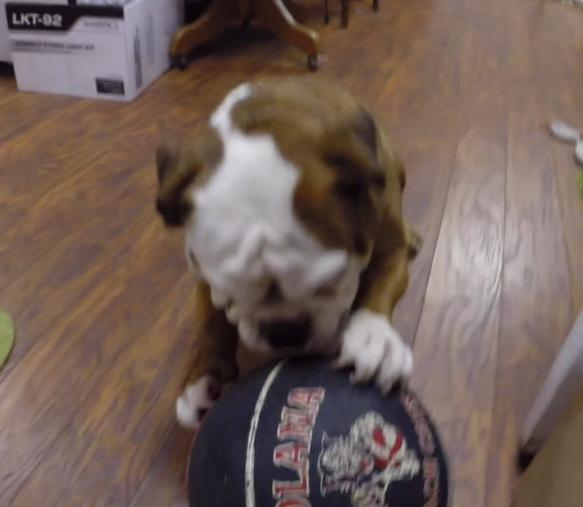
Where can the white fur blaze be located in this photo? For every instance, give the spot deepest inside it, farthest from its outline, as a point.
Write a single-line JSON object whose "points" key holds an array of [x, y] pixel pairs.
{"points": [[245, 236], [374, 348], [195, 400], [221, 118]]}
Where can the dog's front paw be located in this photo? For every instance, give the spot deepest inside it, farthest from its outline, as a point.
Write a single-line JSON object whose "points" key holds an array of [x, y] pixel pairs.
{"points": [[374, 348], [195, 400]]}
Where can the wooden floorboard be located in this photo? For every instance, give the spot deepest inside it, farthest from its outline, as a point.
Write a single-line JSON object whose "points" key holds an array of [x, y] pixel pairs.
{"points": [[166, 482], [100, 296], [458, 331], [536, 307], [563, 101], [421, 105], [106, 458]]}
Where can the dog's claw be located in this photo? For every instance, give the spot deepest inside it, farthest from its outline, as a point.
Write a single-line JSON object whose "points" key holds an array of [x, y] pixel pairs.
{"points": [[375, 350]]}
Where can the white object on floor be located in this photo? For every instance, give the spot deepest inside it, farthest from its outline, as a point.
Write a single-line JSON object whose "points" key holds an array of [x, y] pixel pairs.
{"points": [[566, 133], [563, 384], [579, 151], [108, 50]]}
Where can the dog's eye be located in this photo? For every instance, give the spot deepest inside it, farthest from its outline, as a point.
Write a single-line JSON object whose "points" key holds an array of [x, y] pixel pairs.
{"points": [[326, 290], [329, 287], [355, 176], [342, 163]]}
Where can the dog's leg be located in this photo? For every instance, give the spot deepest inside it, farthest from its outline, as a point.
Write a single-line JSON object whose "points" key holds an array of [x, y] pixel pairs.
{"points": [[370, 343], [213, 361]]}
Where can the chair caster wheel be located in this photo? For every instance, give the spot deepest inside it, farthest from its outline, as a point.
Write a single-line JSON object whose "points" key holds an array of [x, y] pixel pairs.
{"points": [[180, 62], [313, 62]]}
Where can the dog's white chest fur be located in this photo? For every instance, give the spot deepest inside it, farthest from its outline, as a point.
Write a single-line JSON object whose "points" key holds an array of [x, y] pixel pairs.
{"points": [[245, 235]]}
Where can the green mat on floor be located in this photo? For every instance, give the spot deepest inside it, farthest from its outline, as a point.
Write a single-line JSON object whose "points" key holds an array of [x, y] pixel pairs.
{"points": [[6, 337]]}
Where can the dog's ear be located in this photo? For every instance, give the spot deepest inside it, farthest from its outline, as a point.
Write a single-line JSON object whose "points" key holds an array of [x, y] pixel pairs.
{"points": [[166, 157], [176, 171], [180, 165], [353, 151], [365, 129], [360, 179]]}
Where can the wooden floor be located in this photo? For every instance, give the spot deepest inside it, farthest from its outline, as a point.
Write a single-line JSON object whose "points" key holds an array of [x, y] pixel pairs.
{"points": [[100, 296]]}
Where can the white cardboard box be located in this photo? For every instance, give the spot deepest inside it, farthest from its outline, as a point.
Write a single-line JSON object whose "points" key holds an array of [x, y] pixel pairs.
{"points": [[112, 52], [4, 40]]}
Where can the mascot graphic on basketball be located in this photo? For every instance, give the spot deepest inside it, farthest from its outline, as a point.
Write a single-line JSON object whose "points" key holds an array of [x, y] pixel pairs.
{"points": [[366, 461]]}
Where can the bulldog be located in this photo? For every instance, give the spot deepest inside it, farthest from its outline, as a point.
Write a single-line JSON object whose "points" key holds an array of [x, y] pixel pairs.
{"points": [[290, 201]]}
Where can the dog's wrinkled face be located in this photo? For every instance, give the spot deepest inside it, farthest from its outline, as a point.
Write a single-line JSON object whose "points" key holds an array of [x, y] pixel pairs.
{"points": [[278, 203]]}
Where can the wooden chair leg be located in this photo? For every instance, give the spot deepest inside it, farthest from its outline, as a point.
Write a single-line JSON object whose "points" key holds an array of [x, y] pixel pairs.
{"points": [[375, 5], [326, 12], [345, 12], [245, 12], [274, 16], [219, 14]]}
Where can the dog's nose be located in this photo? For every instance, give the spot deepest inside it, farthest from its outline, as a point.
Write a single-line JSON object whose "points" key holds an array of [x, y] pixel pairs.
{"points": [[287, 333]]}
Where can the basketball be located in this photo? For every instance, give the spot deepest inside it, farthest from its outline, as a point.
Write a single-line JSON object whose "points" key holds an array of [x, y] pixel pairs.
{"points": [[297, 433]]}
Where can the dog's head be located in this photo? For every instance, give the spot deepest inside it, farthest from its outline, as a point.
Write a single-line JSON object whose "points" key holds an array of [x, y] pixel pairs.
{"points": [[280, 198]]}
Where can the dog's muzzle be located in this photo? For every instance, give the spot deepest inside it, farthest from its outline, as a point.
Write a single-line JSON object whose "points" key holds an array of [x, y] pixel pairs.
{"points": [[287, 333]]}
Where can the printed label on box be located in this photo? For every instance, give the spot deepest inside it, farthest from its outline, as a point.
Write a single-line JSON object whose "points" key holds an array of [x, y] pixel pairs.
{"points": [[58, 18]]}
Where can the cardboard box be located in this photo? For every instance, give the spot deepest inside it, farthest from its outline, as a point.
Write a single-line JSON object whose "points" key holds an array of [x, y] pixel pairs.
{"points": [[4, 40], [109, 51]]}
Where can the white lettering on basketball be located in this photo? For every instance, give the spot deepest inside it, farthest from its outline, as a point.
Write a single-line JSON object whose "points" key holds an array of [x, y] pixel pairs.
{"points": [[293, 502], [431, 481], [427, 443], [419, 419], [297, 421]]}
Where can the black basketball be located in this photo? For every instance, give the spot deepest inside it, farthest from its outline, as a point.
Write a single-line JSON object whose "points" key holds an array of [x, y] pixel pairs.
{"points": [[299, 434]]}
